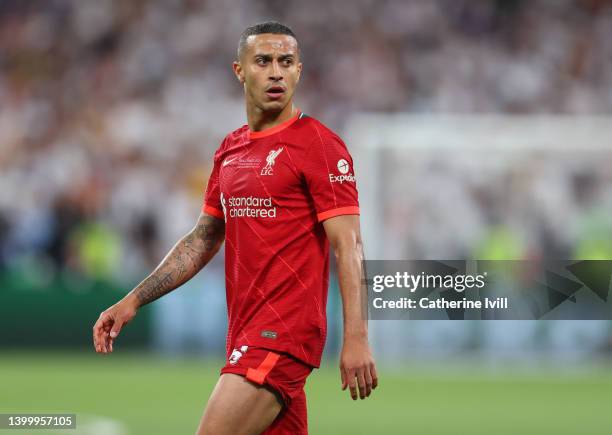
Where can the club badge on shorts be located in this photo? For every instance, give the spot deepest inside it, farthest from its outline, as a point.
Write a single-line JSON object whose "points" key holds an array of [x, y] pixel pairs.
{"points": [[237, 354]]}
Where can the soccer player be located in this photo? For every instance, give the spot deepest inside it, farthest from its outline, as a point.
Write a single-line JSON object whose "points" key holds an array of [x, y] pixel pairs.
{"points": [[281, 190]]}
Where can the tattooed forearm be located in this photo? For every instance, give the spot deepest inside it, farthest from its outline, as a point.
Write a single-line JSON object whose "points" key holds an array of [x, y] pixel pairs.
{"points": [[187, 257], [154, 288]]}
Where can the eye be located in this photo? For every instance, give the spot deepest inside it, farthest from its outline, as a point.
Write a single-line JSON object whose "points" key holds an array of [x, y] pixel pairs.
{"points": [[261, 61]]}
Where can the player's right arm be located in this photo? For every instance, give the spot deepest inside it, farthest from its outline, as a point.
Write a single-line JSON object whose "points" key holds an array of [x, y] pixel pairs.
{"points": [[188, 256]]}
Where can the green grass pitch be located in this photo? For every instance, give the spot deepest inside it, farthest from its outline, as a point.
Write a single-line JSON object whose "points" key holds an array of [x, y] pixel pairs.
{"points": [[144, 394]]}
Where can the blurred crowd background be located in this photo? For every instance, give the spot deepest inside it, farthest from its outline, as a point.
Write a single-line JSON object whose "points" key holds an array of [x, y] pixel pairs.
{"points": [[110, 112]]}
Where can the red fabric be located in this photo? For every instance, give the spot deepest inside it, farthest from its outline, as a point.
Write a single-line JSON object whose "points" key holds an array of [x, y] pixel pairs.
{"points": [[259, 374], [272, 130], [213, 211], [287, 376], [274, 191], [337, 212]]}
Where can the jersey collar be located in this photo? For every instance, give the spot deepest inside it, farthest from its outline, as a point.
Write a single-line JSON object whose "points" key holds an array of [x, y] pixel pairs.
{"points": [[275, 129]]}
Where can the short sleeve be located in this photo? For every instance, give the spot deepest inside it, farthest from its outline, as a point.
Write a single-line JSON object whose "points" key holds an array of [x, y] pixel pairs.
{"points": [[330, 176], [212, 196]]}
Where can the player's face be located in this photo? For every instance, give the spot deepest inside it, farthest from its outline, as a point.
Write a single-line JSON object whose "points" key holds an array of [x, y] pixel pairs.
{"points": [[269, 69]]}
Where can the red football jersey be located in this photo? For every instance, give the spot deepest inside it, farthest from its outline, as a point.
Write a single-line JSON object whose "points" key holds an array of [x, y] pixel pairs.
{"points": [[274, 188]]}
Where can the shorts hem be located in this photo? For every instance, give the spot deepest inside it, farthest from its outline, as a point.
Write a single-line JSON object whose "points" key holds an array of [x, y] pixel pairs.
{"points": [[242, 371]]}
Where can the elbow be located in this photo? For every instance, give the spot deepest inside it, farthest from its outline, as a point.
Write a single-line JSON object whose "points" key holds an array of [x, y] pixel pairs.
{"points": [[350, 245]]}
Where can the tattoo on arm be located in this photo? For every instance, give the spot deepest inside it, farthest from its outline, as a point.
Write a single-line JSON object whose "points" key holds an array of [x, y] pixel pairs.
{"points": [[154, 288], [187, 257]]}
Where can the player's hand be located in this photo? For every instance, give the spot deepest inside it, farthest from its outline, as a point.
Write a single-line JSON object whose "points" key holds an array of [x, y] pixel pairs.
{"points": [[111, 321], [357, 367]]}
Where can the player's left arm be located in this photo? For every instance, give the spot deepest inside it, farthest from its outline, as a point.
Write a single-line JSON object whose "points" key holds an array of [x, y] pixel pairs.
{"points": [[357, 366]]}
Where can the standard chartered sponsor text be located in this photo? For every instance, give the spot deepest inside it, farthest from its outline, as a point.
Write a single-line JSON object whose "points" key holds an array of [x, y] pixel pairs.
{"points": [[251, 206]]}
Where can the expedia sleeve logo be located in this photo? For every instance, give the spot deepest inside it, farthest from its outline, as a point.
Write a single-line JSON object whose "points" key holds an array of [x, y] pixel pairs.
{"points": [[344, 168]]}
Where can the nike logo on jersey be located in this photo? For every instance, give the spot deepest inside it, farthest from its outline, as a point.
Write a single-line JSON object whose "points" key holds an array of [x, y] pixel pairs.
{"points": [[227, 162]]}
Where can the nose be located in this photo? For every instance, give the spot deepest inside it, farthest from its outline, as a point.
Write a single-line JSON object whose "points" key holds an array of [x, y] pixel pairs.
{"points": [[275, 71]]}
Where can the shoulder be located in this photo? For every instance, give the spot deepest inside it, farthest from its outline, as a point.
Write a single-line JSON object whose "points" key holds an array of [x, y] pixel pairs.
{"points": [[234, 136], [318, 132]]}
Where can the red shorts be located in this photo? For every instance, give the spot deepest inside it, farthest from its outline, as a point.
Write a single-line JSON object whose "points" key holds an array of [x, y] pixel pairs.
{"points": [[285, 375]]}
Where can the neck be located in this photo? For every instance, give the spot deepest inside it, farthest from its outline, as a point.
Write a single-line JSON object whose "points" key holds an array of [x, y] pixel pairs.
{"points": [[260, 120]]}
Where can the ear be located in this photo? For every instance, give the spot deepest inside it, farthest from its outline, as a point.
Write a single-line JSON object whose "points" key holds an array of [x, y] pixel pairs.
{"points": [[238, 71], [299, 70]]}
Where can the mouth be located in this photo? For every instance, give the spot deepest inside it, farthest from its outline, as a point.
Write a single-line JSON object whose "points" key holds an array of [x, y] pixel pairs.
{"points": [[275, 92]]}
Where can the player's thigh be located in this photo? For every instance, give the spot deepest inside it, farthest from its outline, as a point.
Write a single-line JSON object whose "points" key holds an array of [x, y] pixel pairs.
{"points": [[238, 407]]}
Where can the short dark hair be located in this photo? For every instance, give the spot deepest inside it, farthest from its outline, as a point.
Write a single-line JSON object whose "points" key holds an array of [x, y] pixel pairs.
{"points": [[267, 27]]}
